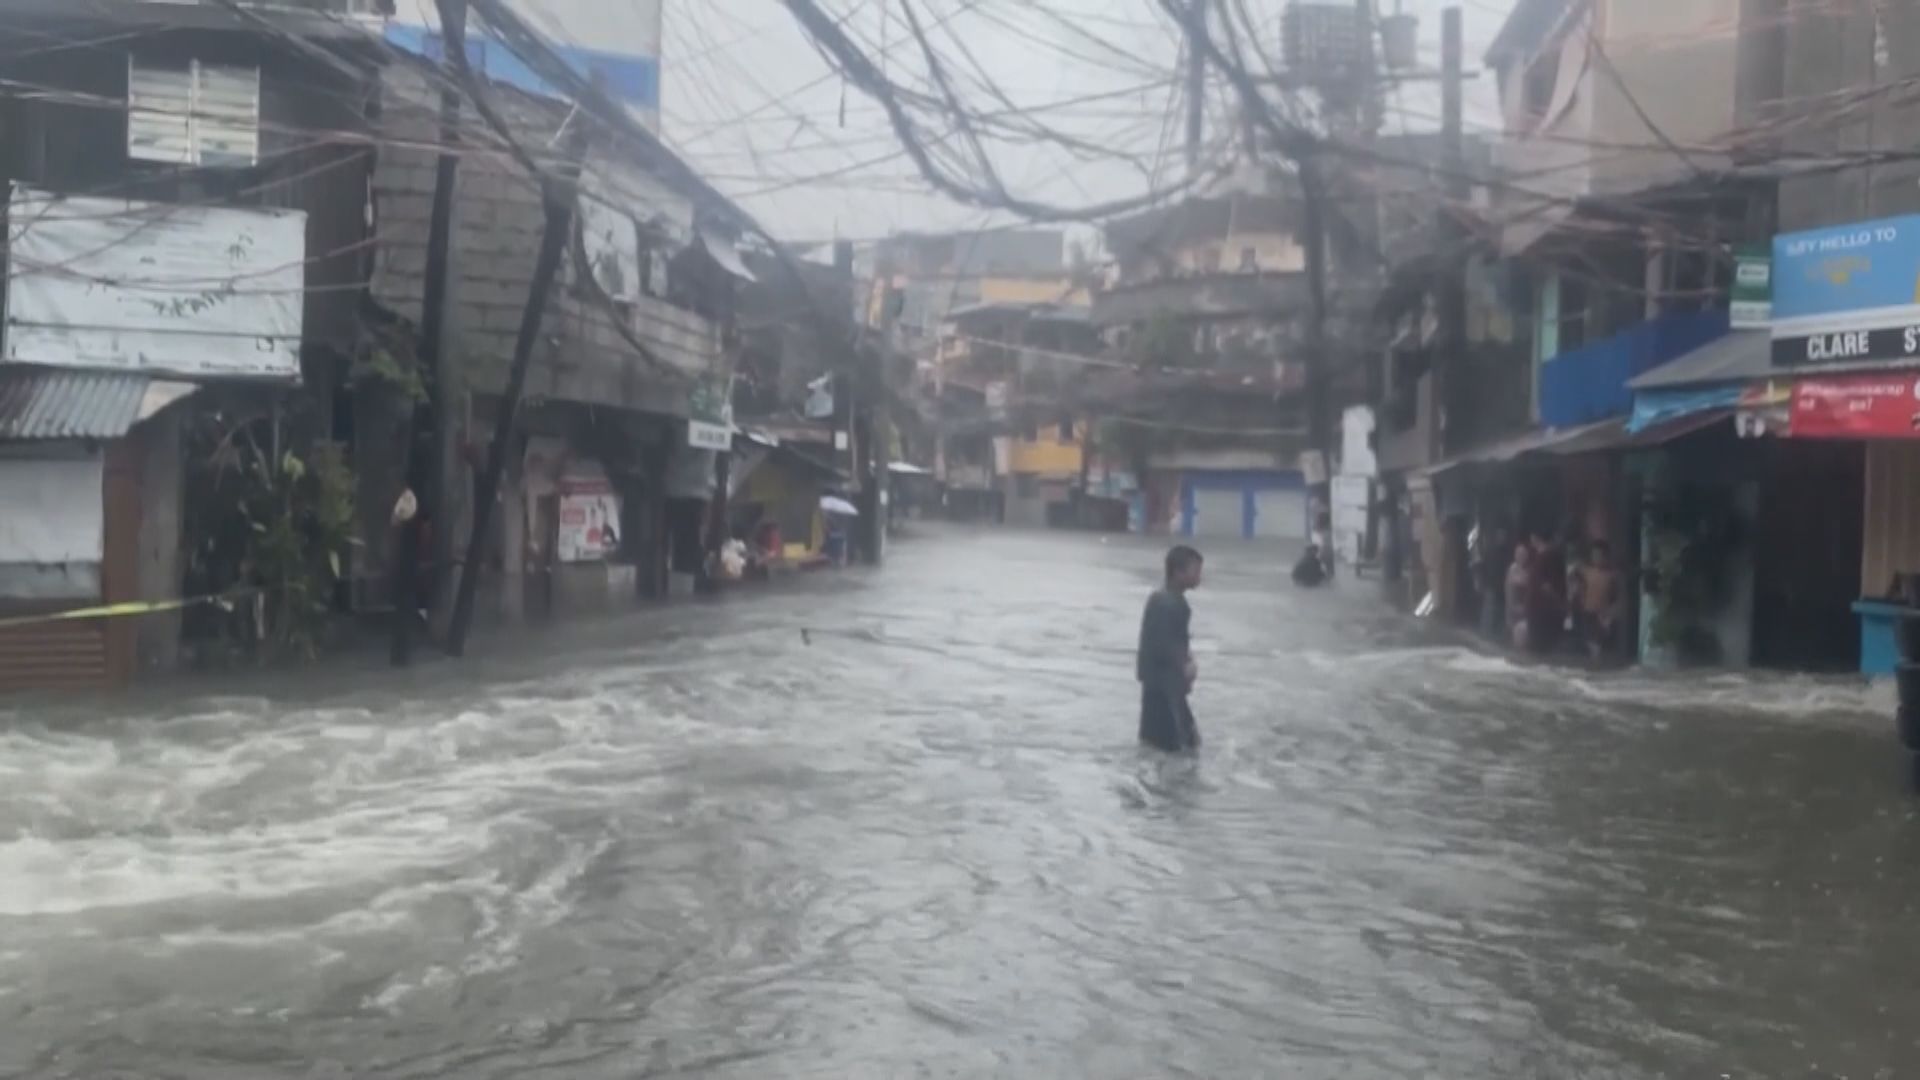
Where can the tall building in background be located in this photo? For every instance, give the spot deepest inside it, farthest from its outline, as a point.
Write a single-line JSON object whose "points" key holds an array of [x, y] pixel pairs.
{"points": [[617, 43]]}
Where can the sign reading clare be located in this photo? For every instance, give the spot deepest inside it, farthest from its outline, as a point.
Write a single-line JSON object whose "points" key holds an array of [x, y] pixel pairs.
{"points": [[1847, 295]]}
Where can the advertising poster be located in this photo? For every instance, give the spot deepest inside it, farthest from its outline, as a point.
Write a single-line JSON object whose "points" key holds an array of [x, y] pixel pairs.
{"points": [[1847, 295], [589, 523], [1856, 407]]}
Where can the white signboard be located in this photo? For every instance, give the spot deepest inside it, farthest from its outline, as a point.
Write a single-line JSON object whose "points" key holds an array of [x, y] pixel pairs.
{"points": [[156, 288], [1352, 500], [705, 436], [589, 525], [1356, 442]]}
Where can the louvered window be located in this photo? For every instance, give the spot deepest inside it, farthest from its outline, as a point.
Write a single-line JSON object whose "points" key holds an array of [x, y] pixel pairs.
{"points": [[193, 113]]}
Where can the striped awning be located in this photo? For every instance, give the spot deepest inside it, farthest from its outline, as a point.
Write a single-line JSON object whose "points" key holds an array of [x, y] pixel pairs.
{"points": [[54, 403]]}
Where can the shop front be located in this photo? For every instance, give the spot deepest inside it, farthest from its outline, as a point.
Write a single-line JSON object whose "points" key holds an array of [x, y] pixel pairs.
{"points": [[1876, 418], [776, 507], [574, 552], [1846, 330], [90, 476]]}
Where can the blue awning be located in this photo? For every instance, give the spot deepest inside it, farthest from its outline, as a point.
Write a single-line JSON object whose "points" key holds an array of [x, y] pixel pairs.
{"points": [[1655, 407]]}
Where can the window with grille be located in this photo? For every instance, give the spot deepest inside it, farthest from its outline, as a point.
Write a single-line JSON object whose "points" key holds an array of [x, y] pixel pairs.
{"points": [[185, 112]]}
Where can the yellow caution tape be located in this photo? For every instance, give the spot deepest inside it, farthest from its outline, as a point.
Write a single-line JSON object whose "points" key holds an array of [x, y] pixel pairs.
{"points": [[115, 611]]}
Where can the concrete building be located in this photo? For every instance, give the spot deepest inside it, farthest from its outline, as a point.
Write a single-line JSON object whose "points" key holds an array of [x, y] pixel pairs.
{"points": [[1009, 381], [192, 448], [607, 430], [1602, 101], [1206, 302], [918, 278], [154, 334]]}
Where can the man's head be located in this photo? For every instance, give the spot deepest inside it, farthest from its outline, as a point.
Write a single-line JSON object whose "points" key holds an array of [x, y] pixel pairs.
{"points": [[1523, 556], [1600, 554], [1183, 568]]}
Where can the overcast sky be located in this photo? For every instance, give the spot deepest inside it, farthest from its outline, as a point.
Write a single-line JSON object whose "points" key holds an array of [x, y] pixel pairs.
{"points": [[748, 100]]}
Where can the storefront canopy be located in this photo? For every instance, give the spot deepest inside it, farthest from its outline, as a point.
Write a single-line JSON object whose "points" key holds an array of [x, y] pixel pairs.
{"points": [[1512, 449], [1607, 436], [54, 403], [1653, 408], [1737, 357], [1620, 436]]}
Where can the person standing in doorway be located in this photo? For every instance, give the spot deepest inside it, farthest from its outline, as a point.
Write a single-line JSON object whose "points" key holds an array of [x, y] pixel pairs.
{"points": [[1601, 600], [1164, 664]]}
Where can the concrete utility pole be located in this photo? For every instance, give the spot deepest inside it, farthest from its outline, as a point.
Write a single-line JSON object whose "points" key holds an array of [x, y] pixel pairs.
{"points": [[1196, 83], [1319, 406], [558, 199], [1452, 316], [427, 462]]}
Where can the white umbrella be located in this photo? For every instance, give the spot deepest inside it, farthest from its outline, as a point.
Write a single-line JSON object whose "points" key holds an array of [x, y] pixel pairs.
{"points": [[834, 504]]}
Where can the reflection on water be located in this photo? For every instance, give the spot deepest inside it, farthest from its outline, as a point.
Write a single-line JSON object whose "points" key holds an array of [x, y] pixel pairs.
{"points": [[920, 841]]}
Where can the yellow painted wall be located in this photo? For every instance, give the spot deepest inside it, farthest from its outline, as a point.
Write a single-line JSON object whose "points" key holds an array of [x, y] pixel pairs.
{"points": [[1030, 291], [788, 495], [1048, 454]]}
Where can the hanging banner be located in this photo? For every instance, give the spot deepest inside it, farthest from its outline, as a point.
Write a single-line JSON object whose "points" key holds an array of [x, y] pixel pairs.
{"points": [[1857, 407]]}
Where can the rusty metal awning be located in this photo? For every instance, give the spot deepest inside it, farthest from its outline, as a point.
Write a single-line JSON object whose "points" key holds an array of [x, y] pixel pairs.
{"points": [[54, 403]]}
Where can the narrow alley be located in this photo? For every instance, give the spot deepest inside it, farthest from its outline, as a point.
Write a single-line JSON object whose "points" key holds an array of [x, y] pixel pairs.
{"points": [[897, 825]]}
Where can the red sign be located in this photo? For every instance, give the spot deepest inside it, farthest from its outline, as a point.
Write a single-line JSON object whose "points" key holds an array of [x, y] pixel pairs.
{"points": [[1857, 407]]}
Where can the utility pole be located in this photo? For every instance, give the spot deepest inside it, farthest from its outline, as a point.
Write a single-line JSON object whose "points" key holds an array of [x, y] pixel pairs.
{"points": [[1196, 83], [558, 199], [428, 425], [1319, 406], [1452, 316]]}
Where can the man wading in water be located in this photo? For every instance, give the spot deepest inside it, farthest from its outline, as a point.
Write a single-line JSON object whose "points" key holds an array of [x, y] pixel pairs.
{"points": [[1165, 664]]}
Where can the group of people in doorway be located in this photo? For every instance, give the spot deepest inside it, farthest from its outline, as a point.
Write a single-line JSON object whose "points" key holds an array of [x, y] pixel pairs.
{"points": [[1550, 595]]}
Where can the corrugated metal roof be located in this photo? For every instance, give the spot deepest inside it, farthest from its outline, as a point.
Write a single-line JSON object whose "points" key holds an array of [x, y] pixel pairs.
{"points": [[39, 403], [1735, 357]]}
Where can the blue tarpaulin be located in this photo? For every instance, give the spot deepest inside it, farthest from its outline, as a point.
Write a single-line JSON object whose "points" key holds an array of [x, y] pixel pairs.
{"points": [[1653, 407]]}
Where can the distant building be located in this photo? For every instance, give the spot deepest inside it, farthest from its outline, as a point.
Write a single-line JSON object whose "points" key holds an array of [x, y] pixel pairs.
{"points": [[1008, 388], [1205, 302], [917, 279]]}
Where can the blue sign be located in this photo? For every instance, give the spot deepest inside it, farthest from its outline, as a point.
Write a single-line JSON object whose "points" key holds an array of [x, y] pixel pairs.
{"points": [[1867, 266], [632, 79]]}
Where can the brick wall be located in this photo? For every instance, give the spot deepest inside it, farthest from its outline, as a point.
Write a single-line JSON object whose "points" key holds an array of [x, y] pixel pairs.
{"points": [[498, 220]]}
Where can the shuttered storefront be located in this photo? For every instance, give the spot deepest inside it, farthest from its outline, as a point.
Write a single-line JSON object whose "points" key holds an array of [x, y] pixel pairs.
{"points": [[61, 551], [52, 656]]}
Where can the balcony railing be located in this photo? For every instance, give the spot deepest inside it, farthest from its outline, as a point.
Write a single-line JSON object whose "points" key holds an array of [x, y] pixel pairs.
{"points": [[1590, 383]]}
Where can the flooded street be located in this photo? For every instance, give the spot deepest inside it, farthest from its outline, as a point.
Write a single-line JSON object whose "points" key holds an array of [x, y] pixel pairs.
{"points": [[922, 842]]}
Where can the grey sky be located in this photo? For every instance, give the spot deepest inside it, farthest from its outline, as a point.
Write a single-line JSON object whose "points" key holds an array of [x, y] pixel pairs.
{"points": [[749, 101]]}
